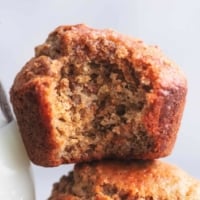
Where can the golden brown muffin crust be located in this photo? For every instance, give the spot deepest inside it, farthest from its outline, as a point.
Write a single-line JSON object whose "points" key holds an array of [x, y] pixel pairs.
{"points": [[90, 94], [138, 180]]}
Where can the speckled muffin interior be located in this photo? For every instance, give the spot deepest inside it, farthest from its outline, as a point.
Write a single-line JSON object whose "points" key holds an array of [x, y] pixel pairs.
{"points": [[128, 180], [91, 94]]}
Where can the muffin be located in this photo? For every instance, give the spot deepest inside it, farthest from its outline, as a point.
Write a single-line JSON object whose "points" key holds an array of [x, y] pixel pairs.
{"points": [[91, 94], [127, 180]]}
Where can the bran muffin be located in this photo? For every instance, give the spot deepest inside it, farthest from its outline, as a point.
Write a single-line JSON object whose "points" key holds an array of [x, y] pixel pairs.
{"points": [[91, 94], [126, 180]]}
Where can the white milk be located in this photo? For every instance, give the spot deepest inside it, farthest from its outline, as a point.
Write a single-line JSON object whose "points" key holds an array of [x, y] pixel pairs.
{"points": [[16, 181]]}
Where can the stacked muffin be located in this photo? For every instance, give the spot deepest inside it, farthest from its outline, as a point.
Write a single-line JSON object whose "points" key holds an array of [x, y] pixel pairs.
{"points": [[109, 103]]}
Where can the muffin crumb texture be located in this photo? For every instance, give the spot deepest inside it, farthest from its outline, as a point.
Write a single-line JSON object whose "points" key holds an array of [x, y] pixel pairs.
{"points": [[91, 94]]}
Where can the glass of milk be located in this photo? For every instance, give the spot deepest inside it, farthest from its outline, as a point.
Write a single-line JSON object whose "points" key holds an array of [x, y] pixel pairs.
{"points": [[16, 182]]}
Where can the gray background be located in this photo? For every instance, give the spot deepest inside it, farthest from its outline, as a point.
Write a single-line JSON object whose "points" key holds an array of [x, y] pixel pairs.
{"points": [[174, 25]]}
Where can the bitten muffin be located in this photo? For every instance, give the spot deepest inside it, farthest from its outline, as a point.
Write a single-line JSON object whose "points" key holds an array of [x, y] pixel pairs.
{"points": [[126, 180], [91, 94]]}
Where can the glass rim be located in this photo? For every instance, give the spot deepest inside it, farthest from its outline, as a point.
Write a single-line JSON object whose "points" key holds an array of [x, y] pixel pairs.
{"points": [[4, 105]]}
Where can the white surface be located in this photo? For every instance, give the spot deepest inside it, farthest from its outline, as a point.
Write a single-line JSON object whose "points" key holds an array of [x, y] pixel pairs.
{"points": [[16, 178], [173, 25]]}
